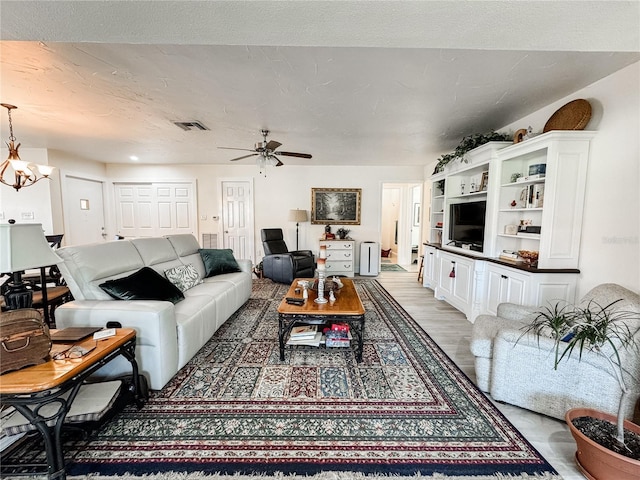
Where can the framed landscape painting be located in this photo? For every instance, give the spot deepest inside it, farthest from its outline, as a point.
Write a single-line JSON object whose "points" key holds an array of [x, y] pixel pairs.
{"points": [[339, 206]]}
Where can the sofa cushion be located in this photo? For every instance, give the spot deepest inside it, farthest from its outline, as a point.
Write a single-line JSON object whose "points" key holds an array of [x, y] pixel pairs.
{"points": [[184, 276], [145, 284], [184, 244], [218, 261]]}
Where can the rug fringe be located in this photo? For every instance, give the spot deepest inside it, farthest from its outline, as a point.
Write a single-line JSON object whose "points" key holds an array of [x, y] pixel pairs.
{"points": [[319, 476]]}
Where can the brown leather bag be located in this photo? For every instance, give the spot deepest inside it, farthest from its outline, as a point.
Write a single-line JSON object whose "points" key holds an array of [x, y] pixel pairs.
{"points": [[24, 339]]}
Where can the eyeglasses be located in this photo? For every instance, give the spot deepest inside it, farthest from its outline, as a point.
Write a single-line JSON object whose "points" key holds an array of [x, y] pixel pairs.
{"points": [[75, 352]]}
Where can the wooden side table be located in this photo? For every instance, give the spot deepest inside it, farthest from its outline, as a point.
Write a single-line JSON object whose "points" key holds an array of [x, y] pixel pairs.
{"points": [[57, 382]]}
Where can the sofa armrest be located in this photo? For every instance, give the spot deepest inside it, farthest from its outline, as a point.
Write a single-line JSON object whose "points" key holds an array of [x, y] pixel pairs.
{"points": [[245, 265], [154, 322]]}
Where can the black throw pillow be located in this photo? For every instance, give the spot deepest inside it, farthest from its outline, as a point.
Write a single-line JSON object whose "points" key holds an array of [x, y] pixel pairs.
{"points": [[218, 261], [145, 284]]}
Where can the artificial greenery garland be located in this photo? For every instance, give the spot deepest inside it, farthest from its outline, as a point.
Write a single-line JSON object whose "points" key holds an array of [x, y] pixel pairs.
{"points": [[467, 144]]}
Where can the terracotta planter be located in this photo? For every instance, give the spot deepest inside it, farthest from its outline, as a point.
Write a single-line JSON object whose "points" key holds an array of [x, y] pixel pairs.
{"points": [[595, 461]]}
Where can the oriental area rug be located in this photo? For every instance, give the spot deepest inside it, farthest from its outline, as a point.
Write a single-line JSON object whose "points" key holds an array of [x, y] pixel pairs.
{"points": [[236, 409]]}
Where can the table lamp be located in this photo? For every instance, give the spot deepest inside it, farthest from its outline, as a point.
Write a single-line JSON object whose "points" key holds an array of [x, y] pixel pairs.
{"points": [[298, 216], [23, 246]]}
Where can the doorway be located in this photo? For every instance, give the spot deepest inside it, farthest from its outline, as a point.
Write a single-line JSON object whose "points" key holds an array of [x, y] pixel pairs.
{"points": [[401, 230]]}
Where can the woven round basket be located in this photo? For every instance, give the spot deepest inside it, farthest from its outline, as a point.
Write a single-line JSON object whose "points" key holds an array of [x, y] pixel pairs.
{"points": [[573, 116]]}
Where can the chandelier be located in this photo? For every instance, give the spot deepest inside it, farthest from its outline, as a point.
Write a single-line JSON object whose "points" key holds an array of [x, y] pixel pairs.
{"points": [[26, 174]]}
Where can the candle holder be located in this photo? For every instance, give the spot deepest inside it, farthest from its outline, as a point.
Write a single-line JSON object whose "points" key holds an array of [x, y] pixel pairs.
{"points": [[320, 298]]}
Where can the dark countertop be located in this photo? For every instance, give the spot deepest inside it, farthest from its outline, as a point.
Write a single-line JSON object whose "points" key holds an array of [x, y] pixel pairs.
{"points": [[517, 265]]}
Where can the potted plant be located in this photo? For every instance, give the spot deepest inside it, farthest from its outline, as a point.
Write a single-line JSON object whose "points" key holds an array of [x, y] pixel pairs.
{"points": [[608, 446], [342, 233]]}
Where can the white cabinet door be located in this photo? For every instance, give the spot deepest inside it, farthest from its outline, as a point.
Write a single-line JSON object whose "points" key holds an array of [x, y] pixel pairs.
{"points": [[444, 287], [463, 281], [429, 268], [505, 285], [456, 279]]}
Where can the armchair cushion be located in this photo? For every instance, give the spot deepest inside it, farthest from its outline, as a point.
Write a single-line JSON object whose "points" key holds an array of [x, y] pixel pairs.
{"points": [[145, 284]]}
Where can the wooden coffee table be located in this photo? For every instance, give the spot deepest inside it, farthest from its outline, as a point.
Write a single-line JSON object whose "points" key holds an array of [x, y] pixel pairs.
{"points": [[346, 309]]}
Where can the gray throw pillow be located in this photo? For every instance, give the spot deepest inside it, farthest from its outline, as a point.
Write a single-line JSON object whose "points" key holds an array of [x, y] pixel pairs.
{"points": [[184, 276], [218, 261]]}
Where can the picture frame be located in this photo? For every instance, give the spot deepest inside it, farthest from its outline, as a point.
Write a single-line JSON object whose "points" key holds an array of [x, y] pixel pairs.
{"points": [[416, 214], [337, 206], [484, 182]]}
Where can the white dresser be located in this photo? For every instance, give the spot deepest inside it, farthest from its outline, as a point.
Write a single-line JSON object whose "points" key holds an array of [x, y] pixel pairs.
{"points": [[340, 257]]}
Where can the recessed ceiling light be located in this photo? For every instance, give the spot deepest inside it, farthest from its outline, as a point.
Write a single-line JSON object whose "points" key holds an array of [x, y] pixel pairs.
{"points": [[133, 158]]}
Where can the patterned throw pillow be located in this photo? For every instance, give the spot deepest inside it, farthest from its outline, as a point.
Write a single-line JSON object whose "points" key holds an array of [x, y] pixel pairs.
{"points": [[184, 277]]}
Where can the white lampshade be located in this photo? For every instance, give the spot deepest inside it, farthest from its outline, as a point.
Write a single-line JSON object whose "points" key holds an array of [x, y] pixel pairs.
{"points": [[45, 170], [298, 216], [24, 246]]}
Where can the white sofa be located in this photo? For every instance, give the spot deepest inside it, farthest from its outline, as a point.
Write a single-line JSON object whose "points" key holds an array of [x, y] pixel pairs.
{"points": [[168, 335], [518, 368]]}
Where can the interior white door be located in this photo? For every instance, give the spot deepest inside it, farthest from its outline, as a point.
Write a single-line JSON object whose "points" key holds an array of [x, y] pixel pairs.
{"points": [[237, 217], [155, 209], [84, 211]]}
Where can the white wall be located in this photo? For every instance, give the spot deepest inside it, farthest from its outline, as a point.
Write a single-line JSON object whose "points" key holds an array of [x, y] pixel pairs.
{"points": [[282, 189], [610, 248]]}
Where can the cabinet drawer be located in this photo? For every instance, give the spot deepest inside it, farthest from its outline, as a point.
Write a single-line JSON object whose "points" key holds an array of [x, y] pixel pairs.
{"points": [[338, 245], [339, 255], [342, 266]]}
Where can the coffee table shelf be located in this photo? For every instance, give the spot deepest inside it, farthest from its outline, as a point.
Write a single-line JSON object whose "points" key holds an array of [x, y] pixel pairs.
{"points": [[347, 308]]}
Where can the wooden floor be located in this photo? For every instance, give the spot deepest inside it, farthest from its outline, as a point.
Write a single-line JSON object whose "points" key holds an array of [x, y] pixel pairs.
{"points": [[452, 332]]}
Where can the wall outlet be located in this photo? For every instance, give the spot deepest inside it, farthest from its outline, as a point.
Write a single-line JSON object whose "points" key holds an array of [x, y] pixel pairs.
{"points": [[27, 215]]}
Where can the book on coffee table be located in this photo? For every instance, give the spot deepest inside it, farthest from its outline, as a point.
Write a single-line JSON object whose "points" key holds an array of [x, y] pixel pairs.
{"points": [[304, 331], [313, 341]]}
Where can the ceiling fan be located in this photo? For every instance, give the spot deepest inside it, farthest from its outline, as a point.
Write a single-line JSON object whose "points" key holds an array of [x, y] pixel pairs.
{"points": [[266, 152]]}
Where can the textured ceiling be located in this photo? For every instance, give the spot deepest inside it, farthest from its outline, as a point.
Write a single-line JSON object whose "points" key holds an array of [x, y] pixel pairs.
{"points": [[356, 83]]}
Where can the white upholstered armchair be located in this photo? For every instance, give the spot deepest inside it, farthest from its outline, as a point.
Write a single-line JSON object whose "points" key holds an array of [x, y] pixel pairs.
{"points": [[518, 368]]}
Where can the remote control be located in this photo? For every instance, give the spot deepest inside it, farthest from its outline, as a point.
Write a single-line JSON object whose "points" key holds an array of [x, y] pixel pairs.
{"points": [[106, 333]]}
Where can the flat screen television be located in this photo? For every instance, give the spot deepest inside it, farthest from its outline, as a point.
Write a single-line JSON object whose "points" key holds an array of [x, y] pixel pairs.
{"points": [[466, 224]]}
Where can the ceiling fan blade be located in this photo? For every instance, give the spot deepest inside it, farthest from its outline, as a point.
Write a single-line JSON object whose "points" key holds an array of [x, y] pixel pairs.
{"points": [[279, 164], [240, 158], [272, 145], [233, 148], [294, 154]]}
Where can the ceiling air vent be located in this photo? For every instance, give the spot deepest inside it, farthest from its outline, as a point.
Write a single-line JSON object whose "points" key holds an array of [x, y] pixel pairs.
{"points": [[190, 126]]}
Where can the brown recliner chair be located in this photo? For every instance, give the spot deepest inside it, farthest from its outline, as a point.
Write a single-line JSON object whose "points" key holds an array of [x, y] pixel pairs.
{"points": [[281, 265]]}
